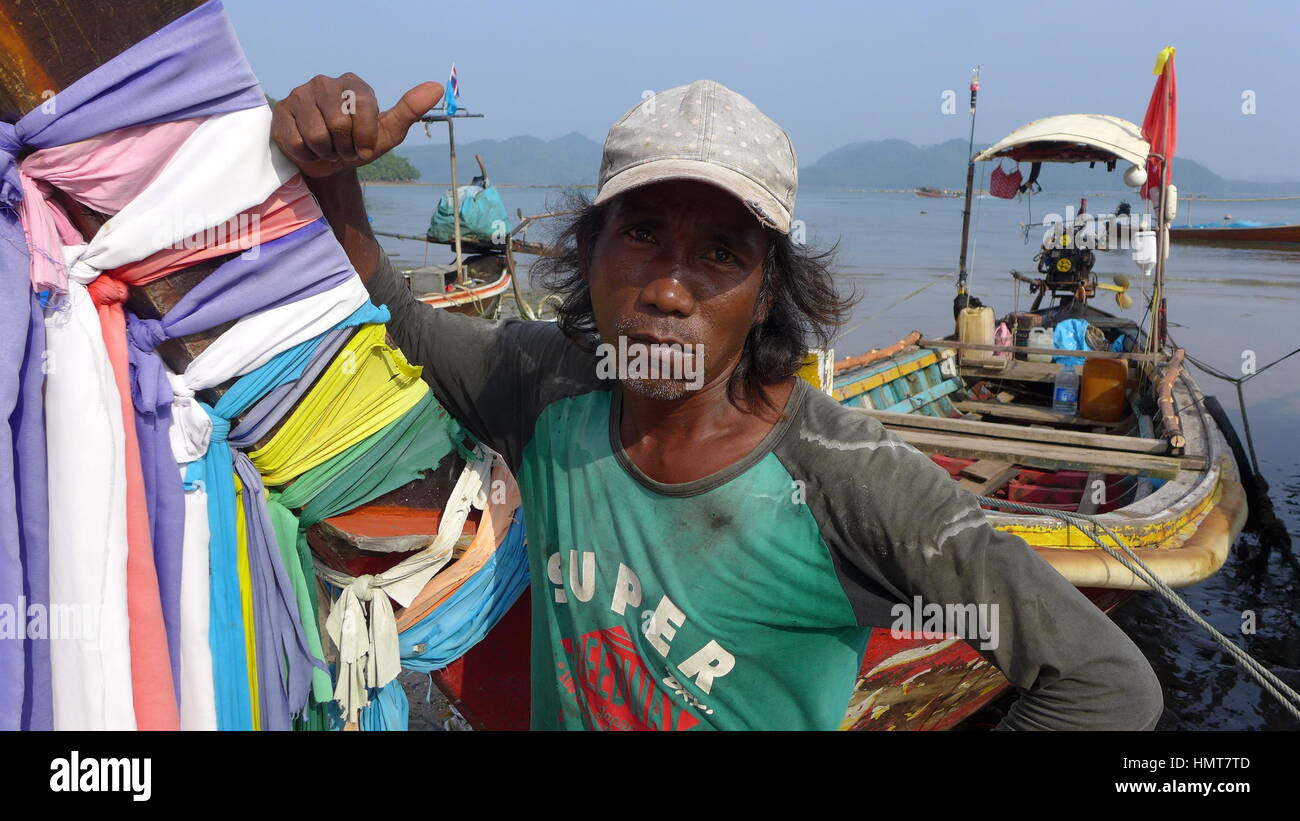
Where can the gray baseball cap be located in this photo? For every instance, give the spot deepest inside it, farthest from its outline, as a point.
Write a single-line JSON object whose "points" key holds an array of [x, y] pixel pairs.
{"points": [[706, 132]]}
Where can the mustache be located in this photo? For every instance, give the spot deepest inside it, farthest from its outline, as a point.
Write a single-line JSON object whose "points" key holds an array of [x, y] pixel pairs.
{"points": [[633, 326]]}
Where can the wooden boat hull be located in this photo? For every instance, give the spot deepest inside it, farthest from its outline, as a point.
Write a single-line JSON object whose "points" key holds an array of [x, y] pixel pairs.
{"points": [[1236, 235], [935, 193], [486, 280]]}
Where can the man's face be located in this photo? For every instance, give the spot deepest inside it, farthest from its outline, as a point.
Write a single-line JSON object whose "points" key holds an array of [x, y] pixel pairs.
{"points": [[679, 262]]}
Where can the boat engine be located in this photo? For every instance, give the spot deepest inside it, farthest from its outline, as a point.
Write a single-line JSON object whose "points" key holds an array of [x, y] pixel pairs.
{"points": [[1065, 266]]}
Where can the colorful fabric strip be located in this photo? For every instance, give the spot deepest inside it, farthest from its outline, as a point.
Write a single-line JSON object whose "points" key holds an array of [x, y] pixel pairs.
{"points": [[366, 387]]}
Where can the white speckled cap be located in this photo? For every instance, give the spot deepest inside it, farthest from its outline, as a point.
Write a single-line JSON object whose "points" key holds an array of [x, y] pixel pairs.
{"points": [[706, 132]]}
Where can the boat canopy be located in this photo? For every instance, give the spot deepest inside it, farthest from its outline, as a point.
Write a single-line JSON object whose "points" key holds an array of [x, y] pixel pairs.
{"points": [[1072, 138]]}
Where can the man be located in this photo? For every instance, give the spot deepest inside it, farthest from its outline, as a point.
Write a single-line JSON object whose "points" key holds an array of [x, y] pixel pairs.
{"points": [[712, 540]]}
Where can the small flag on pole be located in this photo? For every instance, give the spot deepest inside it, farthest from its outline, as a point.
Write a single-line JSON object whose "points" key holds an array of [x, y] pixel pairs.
{"points": [[453, 92]]}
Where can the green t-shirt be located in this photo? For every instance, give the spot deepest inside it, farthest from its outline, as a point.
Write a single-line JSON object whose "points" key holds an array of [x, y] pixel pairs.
{"points": [[745, 600]]}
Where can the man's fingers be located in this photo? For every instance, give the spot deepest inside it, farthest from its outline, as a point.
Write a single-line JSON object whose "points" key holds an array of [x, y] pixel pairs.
{"points": [[396, 121], [335, 111], [285, 132], [311, 122], [365, 123]]}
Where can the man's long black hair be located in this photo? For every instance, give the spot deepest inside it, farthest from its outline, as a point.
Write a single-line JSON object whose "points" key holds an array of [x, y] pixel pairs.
{"points": [[805, 307]]}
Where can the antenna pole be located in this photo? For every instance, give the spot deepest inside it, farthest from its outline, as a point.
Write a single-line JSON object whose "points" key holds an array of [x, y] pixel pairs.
{"points": [[970, 190], [455, 201]]}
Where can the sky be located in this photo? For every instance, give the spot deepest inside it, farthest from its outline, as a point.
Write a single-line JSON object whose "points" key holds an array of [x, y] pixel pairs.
{"points": [[830, 73]]}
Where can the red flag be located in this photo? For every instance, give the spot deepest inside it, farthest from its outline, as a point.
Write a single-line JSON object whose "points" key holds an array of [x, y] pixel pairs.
{"points": [[1160, 126]]}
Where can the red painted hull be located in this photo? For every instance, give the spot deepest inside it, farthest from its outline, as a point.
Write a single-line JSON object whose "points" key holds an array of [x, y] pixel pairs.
{"points": [[1264, 233]]}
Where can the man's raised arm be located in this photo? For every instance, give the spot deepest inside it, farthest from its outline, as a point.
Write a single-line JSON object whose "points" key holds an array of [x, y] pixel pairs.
{"points": [[329, 127]]}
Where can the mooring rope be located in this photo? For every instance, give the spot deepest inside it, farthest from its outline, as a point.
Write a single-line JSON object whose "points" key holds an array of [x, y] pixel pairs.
{"points": [[1274, 686]]}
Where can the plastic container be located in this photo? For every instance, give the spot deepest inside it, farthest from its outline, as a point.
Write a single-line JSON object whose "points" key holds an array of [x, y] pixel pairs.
{"points": [[1144, 251], [1065, 394], [1002, 336], [1039, 338], [975, 325], [1102, 390]]}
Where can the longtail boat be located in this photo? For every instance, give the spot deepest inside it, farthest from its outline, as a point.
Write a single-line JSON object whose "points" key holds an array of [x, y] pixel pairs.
{"points": [[1239, 232], [1161, 473], [937, 193]]}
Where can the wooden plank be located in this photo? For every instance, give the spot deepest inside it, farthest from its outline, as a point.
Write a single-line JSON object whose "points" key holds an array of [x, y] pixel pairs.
{"points": [[907, 404], [1102, 441], [984, 469], [979, 346], [1052, 457], [1029, 413], [987, 476], [1017, 370]]}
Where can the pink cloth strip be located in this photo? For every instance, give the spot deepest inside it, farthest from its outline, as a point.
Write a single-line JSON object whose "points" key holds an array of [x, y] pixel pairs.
{"points": [[103, 173]]}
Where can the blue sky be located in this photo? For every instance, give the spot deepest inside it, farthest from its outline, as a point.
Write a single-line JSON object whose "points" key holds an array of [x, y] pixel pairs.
{"points": [[831, 73]]}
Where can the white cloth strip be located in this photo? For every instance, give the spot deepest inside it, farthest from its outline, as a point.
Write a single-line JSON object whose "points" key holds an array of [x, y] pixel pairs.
{"points": [[198, 692], [257, 338], [86, 458], [227, 165]]}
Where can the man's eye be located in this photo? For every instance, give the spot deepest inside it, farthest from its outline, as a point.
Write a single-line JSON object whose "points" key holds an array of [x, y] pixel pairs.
{"points": [[722, 255], [640, 235]]}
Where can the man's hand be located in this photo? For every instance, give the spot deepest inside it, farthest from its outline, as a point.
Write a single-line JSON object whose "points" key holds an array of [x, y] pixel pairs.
{"points": [[330, 124]]}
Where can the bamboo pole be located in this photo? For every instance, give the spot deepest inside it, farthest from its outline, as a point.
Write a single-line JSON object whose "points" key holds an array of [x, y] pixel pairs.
{"points": [[455, 202], [970, 190], [877, 353], [1173, 428]]}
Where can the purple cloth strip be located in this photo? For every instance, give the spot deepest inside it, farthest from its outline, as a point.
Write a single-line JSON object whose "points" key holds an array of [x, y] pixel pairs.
{"points": [[295, 266], [284, 662], [151, 394], [33, 517], [260, 419], [25, 697]]}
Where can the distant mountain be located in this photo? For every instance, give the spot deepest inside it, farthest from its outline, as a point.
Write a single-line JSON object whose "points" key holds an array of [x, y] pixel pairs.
{"points": [[569, 160], [894, 164], [899, 164]]}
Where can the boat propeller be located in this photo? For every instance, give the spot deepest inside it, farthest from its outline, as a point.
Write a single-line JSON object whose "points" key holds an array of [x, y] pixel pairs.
{"points": [[1121, 286]]}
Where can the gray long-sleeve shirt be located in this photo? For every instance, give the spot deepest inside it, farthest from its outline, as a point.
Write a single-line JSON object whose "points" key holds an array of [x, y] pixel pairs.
{"points": [[746, 599]]}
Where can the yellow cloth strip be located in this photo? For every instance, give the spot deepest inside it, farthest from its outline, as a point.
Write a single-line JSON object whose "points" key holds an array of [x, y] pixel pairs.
{"points": [[1162, 58], [366, 387], [246, 600]]}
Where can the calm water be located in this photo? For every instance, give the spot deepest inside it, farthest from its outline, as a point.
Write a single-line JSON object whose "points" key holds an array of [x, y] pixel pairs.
{"points": [[899, 253]]}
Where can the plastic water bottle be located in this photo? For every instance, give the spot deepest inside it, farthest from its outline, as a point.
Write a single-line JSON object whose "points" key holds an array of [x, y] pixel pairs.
{"points": [[1065, 394]]}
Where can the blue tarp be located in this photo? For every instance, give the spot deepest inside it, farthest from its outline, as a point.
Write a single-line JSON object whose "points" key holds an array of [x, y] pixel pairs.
{"points": [[482, 216], [1070, 335]]}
